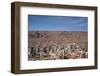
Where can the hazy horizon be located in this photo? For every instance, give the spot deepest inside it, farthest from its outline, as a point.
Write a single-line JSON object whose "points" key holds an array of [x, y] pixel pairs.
{"points": [[55, 31]]}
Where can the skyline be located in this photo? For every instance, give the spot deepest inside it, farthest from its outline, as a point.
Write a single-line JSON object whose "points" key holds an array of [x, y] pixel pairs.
{"points": [[57, 23]]}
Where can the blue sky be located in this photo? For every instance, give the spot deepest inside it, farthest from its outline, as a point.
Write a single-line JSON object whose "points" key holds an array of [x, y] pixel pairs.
{"points": [[57, 23]]}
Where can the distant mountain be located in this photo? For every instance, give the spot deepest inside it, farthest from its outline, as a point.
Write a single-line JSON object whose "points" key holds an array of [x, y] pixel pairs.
{"points": [[55, 37]]}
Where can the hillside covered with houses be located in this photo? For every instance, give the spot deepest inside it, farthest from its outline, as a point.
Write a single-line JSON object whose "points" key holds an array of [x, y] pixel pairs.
{"points": [[54, 45]]}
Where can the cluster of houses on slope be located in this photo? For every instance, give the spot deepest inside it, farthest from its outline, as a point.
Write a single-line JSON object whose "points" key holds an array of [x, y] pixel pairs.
{"points": [[57, 51]]}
